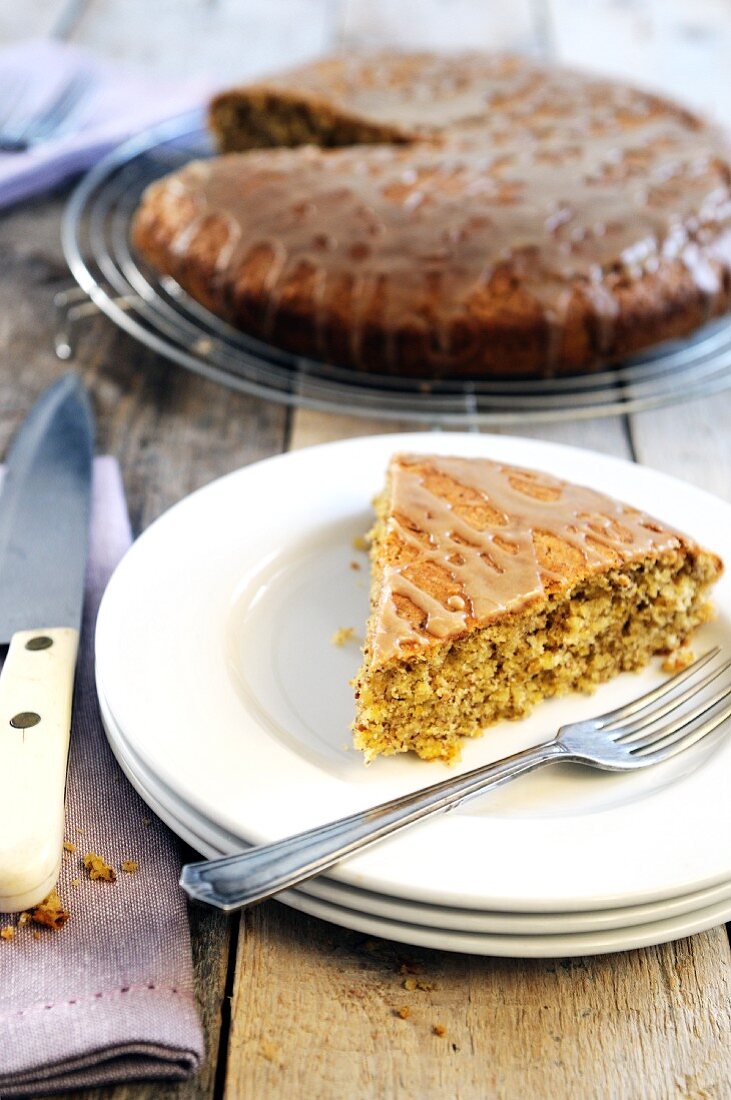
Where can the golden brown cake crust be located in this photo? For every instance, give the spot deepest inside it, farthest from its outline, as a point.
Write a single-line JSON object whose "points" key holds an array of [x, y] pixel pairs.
{"points": [[539, 221]]}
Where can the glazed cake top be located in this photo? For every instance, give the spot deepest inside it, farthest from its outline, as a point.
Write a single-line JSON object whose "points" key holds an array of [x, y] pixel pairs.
{"points": [[468, 540], [536, 177], [422, 94]]}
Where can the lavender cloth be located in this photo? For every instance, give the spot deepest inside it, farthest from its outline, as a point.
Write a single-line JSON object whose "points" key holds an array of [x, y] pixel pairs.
{"points": [[119, 103], [109, 997]]}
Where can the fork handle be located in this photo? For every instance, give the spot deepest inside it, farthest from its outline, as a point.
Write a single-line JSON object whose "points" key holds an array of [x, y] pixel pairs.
{"points": [[243, 879]]}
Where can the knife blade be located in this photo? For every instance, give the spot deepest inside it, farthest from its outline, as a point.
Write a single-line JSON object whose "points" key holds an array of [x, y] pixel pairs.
{"points": [[45, 501]]}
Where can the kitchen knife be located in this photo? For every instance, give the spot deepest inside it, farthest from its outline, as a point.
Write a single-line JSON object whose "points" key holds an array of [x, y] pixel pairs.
{"points": [[45, 499]]}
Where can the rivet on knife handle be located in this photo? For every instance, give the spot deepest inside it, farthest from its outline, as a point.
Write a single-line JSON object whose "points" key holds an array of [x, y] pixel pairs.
{"points": [[36, 688]]}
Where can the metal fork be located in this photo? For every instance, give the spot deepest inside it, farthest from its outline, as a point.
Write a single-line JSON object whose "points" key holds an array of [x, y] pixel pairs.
{"points": [[630, 737], [20, 130]]}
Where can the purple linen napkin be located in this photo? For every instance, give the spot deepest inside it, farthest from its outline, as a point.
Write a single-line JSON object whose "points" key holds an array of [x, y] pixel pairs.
{"points": [[119, 103], [108, 997]]}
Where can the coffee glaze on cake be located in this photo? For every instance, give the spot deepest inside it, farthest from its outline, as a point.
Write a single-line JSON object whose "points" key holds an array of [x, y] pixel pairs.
{"points": [[543, 222], [381, 97], [470, 540]]}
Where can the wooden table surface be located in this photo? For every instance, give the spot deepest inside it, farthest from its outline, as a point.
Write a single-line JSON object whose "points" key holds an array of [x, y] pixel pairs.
{"points": [[295, 1007]]}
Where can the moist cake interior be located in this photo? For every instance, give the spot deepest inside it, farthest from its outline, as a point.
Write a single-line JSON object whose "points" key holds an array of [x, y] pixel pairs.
{"points": [[495, 587]]}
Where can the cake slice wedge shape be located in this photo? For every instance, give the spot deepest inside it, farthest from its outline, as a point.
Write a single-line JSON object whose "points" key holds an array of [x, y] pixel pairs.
{"points": [[494, 587]]}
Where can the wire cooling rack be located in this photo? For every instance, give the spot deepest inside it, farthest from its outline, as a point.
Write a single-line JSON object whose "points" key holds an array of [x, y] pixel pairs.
{"points": [[113, 279]]}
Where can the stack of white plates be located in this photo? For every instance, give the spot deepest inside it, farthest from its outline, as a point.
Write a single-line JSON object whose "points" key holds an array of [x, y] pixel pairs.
{"points": [[228, 707]]}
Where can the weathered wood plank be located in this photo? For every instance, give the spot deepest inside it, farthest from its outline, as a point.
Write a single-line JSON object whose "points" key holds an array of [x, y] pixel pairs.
{"points": [[315, 1012], [608, 435], [691, 441]]}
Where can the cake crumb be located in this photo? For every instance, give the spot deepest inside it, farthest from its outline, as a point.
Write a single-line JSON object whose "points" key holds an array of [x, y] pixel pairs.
{"points": [[69, 846], [24, 918], [676, 662], [409, 983], [98, 868], [50, 912], [79, 830], [147, 821], [129, 866], [355, 566], [36, 935], [439, 1029], [360, 542], [403, 1013], [342, 636], [8, 932], [427, 987], [75, 882]]}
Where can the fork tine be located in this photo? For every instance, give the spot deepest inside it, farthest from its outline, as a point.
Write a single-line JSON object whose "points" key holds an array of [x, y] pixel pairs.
{"points": [[627, 734], [28, 124], [692, 737], [38, 124], [12, 96], [646, 700], [657, 737], [60, 109]]}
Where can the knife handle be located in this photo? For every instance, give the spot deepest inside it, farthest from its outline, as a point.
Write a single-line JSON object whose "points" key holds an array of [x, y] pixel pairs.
{"points": [[36, 689]]}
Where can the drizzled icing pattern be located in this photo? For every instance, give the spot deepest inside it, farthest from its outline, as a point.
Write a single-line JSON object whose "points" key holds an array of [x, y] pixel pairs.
{"points": [[565, 186], [474, 522]]}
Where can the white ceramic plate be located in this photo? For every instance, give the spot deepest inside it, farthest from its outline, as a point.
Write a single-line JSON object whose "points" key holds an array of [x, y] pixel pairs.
{"points": [[431, 933], [197, 831], [214, 648]]}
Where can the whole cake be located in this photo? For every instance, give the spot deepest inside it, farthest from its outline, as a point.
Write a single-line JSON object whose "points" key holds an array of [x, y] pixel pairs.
{"points": [[494, 587], [485, 216]]}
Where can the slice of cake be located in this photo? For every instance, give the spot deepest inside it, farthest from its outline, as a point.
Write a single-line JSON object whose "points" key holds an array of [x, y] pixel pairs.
{"points": [[494, 587]]}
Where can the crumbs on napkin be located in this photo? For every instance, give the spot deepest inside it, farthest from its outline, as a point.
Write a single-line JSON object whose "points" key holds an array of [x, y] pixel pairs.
{"points": [[69, 846], [403, 1013], [129, 866], [98, 867], [439, 1029], [342, 636], [50, 912]]}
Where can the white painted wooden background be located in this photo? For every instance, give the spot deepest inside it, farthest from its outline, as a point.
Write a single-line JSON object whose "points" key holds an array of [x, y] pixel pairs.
{"points": [[682, 47]]}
